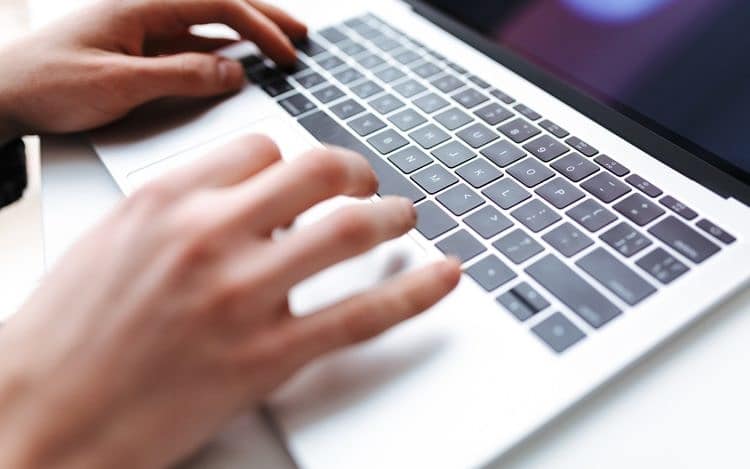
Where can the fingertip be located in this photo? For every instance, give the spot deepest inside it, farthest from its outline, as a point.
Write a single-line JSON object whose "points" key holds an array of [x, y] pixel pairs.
{"points": [[231, 74], [450, 271]]}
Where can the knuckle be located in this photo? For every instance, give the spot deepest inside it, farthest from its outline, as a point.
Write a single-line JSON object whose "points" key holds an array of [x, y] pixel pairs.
{"points": [[154, 194], [353, 228], [327, 169]]}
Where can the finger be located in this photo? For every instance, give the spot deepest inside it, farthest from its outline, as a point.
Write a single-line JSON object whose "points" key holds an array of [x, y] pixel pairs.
{"points": [[250, 23], [275, 197], [369, 314], [344, 234], [227, 165], [185, 43], [293, 28], [188, 74]]}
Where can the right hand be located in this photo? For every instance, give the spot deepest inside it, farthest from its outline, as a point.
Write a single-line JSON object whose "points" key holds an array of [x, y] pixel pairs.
{"points": [[171, 316]]}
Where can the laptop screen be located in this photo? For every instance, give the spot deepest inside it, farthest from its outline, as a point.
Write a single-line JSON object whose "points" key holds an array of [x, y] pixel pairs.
{"points": [[680, 67]]}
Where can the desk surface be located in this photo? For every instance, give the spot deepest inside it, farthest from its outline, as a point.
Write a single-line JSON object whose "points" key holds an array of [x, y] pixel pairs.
{"points": [[684, 406]]}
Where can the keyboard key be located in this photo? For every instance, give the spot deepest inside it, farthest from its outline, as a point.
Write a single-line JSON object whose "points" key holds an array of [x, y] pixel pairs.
{"points": [[527, 112], [560, 192], [506, 193], [613, 166], [491, 273], [410, 159], [605, 187], [530, 172], [643, 185], [558, 332], [347, 109], [351, 48], [591, 215], [310, 80], [470, 98], [366, 89], [453, 154], [573, 291], [386, 103], [625, 239], [554, 129], [488, 222], [430, 103], [716, 232], [328, 94], [457, 68], [453, 118], [639, 209], [310, 47], [493, 113], [432, 221], [387, 141], [409, 88], [277, 87], [678, 207], [477, 135], [479, 82], [460, 199], [518, 246], [582, 146], [329, 62], [297, 104], [616, 276], [546, 148], [519, 130], [502, 96], [434, 179], [503, 153], [347, 75], [662, 266], [390, 74], [532, 298], [461, 245], [567, 239], [366, 124], [426, 69], [684, 239], [406, 57], [575, 167], [407, 119], [479, 173], [391, 182], [429, 136], [386, 43], [535, 215], [333, 34], [515, 306], [370, 61], [447, 83]]}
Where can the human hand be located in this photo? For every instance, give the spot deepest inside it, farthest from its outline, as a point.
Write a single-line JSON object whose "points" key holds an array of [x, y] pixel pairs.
{"points": [[94, 67], [171, 316]]}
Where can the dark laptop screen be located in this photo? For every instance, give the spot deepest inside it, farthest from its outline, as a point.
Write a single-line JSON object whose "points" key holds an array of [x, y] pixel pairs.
{"points": [[681, 67]]}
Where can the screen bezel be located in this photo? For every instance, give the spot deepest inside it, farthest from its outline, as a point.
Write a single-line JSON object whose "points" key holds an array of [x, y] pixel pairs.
{"points": [[699, 165]]}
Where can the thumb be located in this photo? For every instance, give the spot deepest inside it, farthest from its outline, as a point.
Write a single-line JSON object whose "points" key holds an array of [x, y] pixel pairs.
{"points": [[189, 75]]}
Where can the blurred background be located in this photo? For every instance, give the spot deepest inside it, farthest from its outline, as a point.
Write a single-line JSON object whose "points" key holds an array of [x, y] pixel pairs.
{"points": [[21, 247]]}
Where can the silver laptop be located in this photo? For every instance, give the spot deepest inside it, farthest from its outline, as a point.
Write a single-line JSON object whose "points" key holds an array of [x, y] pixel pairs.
{"points": [[585, 160]]}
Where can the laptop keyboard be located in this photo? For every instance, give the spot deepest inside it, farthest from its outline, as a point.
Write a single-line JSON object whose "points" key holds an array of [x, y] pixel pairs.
{"points": [[533, 212]]}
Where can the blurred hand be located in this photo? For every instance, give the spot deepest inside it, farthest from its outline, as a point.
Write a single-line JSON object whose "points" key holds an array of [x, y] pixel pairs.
{"points": [[95, 66], [171, 316]]}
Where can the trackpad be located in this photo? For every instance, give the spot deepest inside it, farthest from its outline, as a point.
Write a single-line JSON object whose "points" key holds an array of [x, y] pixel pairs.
{"points": [[291, 139]]}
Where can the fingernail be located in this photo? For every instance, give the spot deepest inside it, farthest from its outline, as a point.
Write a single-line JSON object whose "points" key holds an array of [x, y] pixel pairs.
{"points": [[231, 73]]}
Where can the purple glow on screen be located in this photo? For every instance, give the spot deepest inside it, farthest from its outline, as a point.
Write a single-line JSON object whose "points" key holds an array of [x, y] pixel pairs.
{"points": [[616, 10]]}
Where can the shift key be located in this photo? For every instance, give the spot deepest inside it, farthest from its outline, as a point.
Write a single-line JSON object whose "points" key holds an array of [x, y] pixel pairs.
{"points": [[575, 292], [684, 239]]}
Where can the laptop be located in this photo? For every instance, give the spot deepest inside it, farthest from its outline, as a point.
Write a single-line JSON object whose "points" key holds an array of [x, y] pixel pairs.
{"points": [[585, 160]]}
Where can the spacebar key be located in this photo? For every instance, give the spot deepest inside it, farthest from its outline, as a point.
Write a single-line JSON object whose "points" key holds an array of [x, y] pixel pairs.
{"points": [[326, 130], [573, 291]]}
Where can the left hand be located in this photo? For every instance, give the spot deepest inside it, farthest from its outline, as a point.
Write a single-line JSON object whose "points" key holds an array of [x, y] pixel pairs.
{"points": [[94, 67]]}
